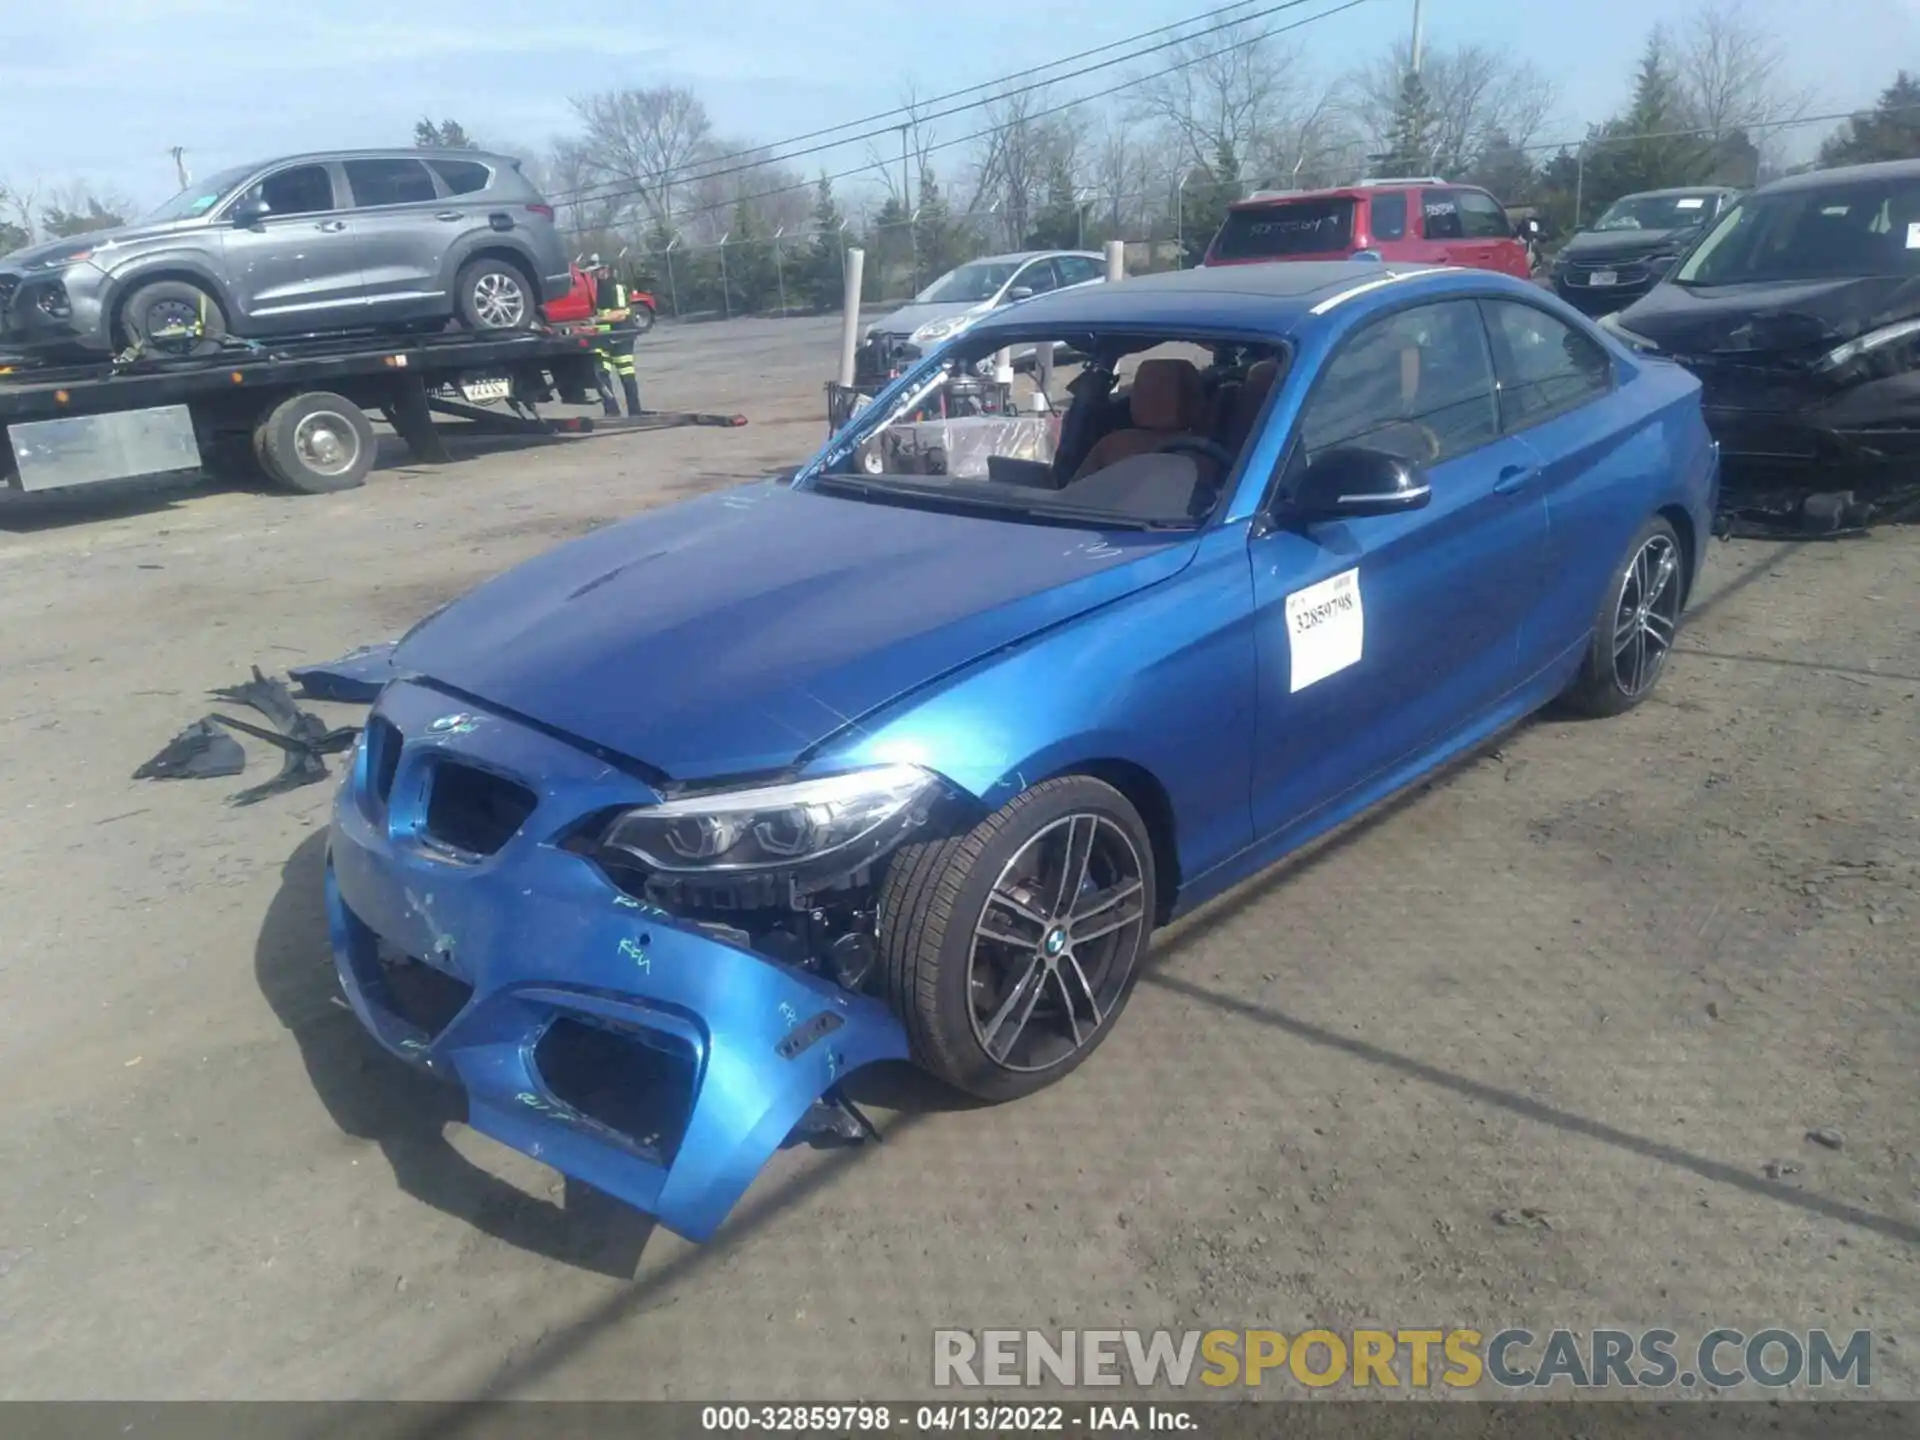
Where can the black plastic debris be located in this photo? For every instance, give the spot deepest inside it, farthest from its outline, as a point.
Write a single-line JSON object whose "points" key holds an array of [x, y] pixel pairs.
{"points": [[199, 752], [355, 678], [302, 738], [834, 1120]]}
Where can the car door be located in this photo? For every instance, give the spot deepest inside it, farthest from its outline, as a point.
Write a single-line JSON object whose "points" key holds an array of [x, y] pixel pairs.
{"points": [[1440, 235], [296, 267], [1380, 638], [1489, 240], [1561, 393], [404, 227]]}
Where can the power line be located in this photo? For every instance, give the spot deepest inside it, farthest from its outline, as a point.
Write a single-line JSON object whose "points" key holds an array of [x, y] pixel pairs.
{"points": [[668, 179], [996, 129], [909, 110]]}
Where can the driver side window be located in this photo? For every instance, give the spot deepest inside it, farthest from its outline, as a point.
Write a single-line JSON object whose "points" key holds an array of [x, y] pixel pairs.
{"points": [[300, 190], [1038, 277], [1417, 383]]}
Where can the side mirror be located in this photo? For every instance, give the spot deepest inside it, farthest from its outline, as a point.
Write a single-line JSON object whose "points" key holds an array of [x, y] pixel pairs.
{"points": [[249, 211], [1351, 483], [1020, 292]]}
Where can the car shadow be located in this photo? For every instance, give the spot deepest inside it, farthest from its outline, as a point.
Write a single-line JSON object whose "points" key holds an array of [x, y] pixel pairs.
{"points": [[373, 1096]]}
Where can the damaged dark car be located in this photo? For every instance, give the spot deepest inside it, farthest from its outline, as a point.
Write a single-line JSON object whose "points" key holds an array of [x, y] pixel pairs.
{"points": [[1799, 311]]}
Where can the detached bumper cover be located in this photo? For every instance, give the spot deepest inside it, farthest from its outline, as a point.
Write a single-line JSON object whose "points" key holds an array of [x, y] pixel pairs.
{"points": [[543, 939]]}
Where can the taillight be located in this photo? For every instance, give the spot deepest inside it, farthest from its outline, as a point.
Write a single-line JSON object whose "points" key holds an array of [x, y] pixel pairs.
{"points": [[545, 212]]}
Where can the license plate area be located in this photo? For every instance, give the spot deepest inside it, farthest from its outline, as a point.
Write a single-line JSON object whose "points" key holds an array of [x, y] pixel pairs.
{"points": [[479, 389], [1600, 279]]}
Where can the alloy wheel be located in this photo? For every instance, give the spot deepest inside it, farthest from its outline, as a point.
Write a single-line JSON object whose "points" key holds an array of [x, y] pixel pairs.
{"points": [[499, 301], [1056, 943], [1646, 616]]}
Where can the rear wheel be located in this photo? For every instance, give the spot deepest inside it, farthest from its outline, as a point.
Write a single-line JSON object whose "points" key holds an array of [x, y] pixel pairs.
{"points": [[1634, 631], [494, 295], [643, 318], [316, 443], [1011, 951], [175, 317]]}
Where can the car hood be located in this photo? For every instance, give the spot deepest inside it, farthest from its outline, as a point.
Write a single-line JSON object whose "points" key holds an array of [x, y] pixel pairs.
{"points": [[1769, 317], [909, 318], [95, 240], [1596, 245], [730, 634]]}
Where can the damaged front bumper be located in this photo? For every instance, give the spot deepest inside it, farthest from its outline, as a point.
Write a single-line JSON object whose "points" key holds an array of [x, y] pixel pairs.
{"points": [[589, 1029], [1805, 452]]}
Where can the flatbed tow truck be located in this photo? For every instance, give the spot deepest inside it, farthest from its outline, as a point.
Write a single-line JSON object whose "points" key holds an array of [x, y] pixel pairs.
{"points": [[295, 410]]}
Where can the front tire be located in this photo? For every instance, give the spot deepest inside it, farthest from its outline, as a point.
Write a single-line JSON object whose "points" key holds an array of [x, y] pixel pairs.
{"points": [[494, 295], [643, 319], [174, 317], [1009, 952], [1634, 631]]}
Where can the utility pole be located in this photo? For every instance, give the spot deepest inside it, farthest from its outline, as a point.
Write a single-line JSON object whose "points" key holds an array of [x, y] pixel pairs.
{"points": [[906, 176], [1418, 5], [178, 152]]}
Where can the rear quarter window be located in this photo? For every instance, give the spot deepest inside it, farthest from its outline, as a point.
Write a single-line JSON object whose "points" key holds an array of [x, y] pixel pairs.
{"points": [[462, 177], [1388, 215], [1274, 232]]}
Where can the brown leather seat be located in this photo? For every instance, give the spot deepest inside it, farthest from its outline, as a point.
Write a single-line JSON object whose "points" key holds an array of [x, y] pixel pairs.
{"points": [[1167, 400], [1251, 399]]}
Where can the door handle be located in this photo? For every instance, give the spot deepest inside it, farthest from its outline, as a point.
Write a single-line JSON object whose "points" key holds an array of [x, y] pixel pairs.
{"points": [[448, 215], [331, 226], [1514, 477]]}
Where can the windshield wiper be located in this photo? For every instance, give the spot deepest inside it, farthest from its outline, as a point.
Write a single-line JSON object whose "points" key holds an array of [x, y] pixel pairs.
{"points": [[996, 504]]}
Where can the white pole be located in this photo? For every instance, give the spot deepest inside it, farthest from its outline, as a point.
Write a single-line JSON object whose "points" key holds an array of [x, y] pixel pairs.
{"points": [[1417, 6], [1003, 366], [1116, 260], [850, 312]]}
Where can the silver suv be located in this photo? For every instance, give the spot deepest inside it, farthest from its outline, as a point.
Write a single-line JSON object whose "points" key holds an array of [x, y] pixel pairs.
{"points": [[340, 241]]}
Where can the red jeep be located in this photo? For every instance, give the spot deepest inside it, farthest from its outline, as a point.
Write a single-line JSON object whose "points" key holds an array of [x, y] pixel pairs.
{"points": [[1422, 221]]}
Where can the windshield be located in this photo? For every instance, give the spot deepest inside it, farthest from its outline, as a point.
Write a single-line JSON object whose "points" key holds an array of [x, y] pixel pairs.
{"points": [[970, 284], [1826, 232], [199, 198], [1123, 431], [1655, 212], [1273, 232]]}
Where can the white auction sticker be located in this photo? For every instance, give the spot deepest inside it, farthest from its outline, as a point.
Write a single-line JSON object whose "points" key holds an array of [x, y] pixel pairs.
{"points": [[1326, 628], [1913, 234], [1692, 202]]}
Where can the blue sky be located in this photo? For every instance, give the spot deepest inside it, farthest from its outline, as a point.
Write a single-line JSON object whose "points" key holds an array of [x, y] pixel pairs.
{"points": [[99, 89]]}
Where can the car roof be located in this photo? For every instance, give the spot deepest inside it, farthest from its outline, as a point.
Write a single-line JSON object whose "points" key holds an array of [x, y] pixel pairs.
{"points": [[1017, 256], [1682, 190], [1266, 299], [395, 152], [1352, 192], [1844, 175]]}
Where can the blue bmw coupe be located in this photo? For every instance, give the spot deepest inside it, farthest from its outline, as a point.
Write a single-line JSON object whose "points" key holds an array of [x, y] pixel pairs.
{"points": [[652, 841]]}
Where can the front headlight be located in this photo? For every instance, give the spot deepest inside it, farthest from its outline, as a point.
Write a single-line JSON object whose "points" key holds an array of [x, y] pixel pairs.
{"points": [[1865, 344], [935, 331], [837, 822], [61, 262]]}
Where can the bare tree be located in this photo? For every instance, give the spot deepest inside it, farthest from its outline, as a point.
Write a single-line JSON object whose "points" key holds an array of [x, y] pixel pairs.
{"points": [[1222, 93], [1474, 93], [19, 211], [647, 140], [1010, 173], [77, 208], [918, 139], [1734, 74]]}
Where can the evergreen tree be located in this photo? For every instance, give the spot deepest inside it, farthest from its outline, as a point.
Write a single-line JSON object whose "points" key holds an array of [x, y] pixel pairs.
{"points": [[822, 279], [1642, 148], [1414, 136], [1889, 131], [889, 252], [749, 262], [1209, 192], [447, 135], [1057, 226], [938, 242]]}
